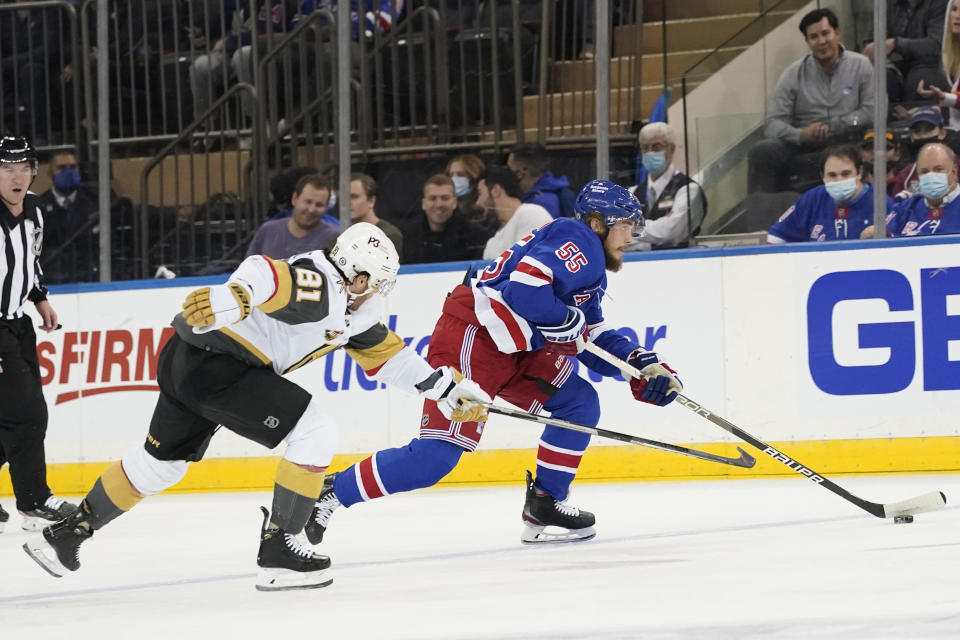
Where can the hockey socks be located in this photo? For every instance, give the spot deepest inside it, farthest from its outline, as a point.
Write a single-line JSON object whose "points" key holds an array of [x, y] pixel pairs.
{"points": [[422, 463], [295, 491], [111, 496], [558, 459]]}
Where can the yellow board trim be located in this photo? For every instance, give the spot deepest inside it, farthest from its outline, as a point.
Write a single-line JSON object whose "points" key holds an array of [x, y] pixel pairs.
{"points": [[297, 479], [246, 344], [281, 297], [600, 463], [118, 487], [375, 356]]}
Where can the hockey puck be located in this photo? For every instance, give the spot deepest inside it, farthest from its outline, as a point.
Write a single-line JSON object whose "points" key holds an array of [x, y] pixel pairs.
{"points": [[902, 519]]}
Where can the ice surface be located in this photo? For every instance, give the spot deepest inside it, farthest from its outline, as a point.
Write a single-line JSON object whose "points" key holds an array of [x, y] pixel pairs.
{"points": [[709, 559]]}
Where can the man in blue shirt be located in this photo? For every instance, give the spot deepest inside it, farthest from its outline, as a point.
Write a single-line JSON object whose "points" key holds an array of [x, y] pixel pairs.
{"points": [[839, 209], [936, 209], [529, 162]]}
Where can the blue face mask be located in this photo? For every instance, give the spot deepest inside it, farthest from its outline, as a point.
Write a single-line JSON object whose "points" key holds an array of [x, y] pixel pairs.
{"points": [[461, 185], [841, 190], [67, 180], [655, 162], [934, 185]]}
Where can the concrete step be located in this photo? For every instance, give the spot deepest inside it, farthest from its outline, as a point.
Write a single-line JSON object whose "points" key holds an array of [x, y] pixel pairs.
{"points": [[682, 35], [653, 10]]}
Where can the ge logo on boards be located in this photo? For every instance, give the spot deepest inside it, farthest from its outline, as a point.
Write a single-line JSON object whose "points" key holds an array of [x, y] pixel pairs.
{"points": [[934, 326]]}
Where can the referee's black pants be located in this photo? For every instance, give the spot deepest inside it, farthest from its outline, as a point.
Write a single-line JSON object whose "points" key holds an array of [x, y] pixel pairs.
{"points": [[23, 413]]}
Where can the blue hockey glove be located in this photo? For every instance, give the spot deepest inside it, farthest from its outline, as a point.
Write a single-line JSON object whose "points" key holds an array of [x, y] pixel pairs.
{"points": [[661, 384]]}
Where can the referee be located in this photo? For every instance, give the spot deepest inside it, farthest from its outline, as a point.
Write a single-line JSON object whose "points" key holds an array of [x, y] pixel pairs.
{"points": [[23, 410]]}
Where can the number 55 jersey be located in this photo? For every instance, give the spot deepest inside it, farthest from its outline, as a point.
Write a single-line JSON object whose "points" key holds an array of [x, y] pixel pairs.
{"points": [[560, 264]]}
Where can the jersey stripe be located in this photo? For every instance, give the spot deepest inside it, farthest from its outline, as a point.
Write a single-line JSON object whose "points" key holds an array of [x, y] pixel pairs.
{"points": [[246, 344], [532, 272], [510, 332], [283, 286]]}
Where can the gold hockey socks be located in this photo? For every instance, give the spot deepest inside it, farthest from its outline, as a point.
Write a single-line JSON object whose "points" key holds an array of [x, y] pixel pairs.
{"points": [[294, 493], [112, 495]]}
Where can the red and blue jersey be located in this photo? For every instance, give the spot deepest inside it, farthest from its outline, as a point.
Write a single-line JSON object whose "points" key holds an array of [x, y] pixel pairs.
{"points": [[913, 217], [817, 217], [533, 282]]}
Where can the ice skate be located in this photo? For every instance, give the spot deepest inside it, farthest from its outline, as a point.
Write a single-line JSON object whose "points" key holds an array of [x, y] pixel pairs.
{"points": [[541, 510], [51, 511], [320, 517], [57, 548], [4, 517], [285, 563]]}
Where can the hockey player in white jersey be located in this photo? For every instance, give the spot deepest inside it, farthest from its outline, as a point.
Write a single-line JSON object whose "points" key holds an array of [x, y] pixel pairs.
{"points": [[224, 366]]}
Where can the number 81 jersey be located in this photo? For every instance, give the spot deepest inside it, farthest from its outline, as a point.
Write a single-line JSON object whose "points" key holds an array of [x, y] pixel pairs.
{"points": [[533, 282]]}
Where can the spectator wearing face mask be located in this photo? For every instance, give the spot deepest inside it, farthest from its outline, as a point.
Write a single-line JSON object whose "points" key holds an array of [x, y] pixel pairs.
{"points": [[71, 214], [926, 126], [666, 194], [465, 170], [839, 209], [936, 209], [895, 160]]}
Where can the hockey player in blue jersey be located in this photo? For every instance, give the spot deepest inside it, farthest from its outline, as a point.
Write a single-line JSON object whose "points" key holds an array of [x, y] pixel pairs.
{"points": [[936, 209], [510, 328], [840, 209]]}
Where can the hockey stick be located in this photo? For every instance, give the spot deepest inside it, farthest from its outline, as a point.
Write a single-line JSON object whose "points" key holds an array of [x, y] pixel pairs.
{"points": [[745, 460], [920, 504]]}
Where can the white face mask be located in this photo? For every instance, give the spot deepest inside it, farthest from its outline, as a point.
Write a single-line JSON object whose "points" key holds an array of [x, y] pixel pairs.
{"points": [[461, 185], [841, 190]]}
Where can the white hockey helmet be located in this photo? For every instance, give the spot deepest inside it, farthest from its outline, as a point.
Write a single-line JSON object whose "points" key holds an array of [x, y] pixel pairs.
{"points": [[364, 248]]}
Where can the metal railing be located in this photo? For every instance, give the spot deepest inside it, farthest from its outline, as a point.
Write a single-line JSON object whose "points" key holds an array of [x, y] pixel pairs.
{"points": [[39, 83]]}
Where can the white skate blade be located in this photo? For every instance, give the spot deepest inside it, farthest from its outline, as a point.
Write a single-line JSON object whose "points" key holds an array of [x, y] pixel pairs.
{"points": [[33, 523], [40, 550], [270, 579], [539, 534]]}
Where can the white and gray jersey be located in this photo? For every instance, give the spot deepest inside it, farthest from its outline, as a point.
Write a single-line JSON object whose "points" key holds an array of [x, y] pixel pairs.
{"points": [[21, 240]]}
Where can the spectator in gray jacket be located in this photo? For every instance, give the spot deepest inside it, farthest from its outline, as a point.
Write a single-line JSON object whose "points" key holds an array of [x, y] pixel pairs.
{"points": [[824, 98], [914, 36]]}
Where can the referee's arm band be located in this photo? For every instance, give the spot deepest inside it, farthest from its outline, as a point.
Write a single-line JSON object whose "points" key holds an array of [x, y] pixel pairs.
{"points": [[37, 294]]}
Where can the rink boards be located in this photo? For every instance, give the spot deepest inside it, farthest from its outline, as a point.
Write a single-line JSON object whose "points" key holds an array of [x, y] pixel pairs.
{"points": [[846, 355]]}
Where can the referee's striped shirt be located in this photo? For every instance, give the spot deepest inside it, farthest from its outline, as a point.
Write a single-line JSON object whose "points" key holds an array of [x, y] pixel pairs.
{"points": [[21, 239]]}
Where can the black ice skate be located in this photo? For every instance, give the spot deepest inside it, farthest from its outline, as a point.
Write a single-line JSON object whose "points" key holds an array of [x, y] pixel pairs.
{"points": [[4, 517], [57, 548], [285, 563], [322, 511], [541, 510], [53, 510]]}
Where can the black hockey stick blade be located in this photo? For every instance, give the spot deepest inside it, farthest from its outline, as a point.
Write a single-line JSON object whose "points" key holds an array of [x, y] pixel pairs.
{"points": [[920, 504], [745, 460]]}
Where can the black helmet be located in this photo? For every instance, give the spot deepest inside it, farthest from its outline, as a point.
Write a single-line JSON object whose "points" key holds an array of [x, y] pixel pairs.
{"points": [[17, 149]]}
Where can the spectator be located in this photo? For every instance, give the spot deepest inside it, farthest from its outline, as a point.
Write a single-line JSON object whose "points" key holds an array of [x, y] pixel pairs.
{"points": [[363, 200], [465, 170], [498, 191], [529, 161], [441, 234], [70, 218], [926, 126], [281, 191], [839, 209], [914, 36], [665, 193], [894, 155], [304, 230], [820, 99], [951, 64], [936, 209]]}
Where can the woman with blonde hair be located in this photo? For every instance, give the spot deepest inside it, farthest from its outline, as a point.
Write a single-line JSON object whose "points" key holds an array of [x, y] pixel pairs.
{"points": [[951, 65]]}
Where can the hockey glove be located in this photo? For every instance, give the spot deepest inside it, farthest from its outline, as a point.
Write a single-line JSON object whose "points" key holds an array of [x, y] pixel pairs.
{"points": [[661, 384], [218, 305], [569, 338], [458, 398]]}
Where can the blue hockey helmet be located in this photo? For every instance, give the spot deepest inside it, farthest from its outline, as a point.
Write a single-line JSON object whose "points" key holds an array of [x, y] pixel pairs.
{"points": [[611, 201]]}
